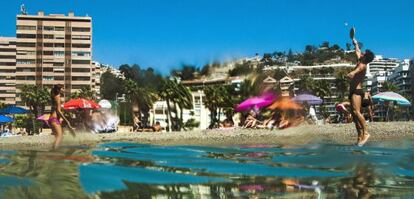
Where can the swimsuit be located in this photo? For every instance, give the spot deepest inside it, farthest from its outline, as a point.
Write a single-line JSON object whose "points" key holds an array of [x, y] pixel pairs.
{"points": [[55, 120], [366, 102], [358, 91], [53, 109]]}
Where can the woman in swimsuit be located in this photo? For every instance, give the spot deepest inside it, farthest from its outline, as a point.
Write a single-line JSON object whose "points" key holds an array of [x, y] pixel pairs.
{"points": [[56, 114]]}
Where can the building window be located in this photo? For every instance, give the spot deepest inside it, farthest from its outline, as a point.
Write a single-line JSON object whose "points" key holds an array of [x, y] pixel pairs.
{"points": [[48, 44], [60, 37], [25, 61], [48, 78], [59, 78], [26, 52], [81, 54], [59, 45], [32, 36], [7, 57], [47, 52], [25, 78], [23, 44], [78, 29], [81, 78], [26, 27], [58, 64], [58, 28], [81, 37], [49, 28], [81, 45], [81, 70], [7, 50], [59, 53], [81, 61], [48, 36], [7, 64], [47, 69]]}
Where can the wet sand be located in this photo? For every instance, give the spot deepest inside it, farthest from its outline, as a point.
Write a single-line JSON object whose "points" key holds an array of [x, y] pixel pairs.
{"points": [[306, 134]]}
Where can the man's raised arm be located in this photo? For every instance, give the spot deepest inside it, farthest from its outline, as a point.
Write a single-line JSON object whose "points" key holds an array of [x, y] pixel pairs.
{"points": [[357, 49]]}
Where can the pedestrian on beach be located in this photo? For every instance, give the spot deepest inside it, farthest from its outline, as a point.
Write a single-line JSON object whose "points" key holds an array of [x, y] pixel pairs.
{"points": [[56, 114], [356, 92], [137, 123]]}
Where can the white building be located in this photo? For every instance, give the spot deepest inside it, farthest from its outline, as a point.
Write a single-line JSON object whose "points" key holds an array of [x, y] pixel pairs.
{"points": [[379, 68], [382, 64], [111, 69], [400, 78], [96, 78], [377, 81]]}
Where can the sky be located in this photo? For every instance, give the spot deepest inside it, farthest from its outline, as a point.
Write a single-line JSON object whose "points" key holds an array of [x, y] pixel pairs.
{"points": [[164, 34]]}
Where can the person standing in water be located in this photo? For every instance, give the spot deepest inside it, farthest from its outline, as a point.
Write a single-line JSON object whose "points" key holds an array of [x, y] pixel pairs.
{"points": [[56, 114], [356, 92]]}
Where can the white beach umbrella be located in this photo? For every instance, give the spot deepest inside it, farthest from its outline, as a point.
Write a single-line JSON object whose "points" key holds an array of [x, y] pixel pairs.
{"points": [[105, 104]]}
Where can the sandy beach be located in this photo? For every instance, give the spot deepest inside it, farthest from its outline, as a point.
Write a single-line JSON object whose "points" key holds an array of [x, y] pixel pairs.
{"points": [[306, 134]]}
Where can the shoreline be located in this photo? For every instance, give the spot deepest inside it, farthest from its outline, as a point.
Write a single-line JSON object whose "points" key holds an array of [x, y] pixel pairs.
{"points": [[306, 134]]}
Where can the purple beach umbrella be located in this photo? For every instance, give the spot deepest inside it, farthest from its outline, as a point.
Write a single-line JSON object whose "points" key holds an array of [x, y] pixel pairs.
{"points": [[310, 99], [259, 102]]}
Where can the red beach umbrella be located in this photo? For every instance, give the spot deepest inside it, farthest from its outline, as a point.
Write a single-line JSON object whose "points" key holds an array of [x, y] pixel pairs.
{"points": [[81, 103]]}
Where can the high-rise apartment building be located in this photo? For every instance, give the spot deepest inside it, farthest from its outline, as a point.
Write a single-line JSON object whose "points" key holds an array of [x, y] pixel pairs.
{"points": [[54, 49], [7, 70]]}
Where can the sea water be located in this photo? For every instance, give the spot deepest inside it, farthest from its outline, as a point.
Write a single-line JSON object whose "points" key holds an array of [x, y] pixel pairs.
{"points": [[133, 170]]}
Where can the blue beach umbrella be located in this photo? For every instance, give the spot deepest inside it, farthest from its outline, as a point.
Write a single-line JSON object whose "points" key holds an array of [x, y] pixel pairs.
{"points": [[13, 110], [391, 96], [5, 119]]}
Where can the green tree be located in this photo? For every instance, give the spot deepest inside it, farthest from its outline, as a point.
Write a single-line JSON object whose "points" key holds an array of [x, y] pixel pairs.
{"points": [[36, 99], [139, 96], [306, 84], [111, 86], [388, 86], [342, 83], [217, 98], [86, 92], [322, 89], [178, 98]]}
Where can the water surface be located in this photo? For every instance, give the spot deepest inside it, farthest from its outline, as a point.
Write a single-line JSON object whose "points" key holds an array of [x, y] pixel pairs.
{"points": [[131, 170]]}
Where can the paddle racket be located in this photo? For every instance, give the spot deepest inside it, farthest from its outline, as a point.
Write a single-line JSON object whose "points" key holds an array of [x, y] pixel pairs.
{"points": [[352, 33]]}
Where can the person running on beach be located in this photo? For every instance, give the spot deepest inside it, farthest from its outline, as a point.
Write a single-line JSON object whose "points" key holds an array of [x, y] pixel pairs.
{"points": [[356, 92], [56, 114]]}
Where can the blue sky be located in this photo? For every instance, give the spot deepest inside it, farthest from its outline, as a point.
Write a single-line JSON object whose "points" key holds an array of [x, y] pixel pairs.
{"points": [[164, 34]]}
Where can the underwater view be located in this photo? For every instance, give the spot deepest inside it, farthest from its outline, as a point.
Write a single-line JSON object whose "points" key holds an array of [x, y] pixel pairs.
{"points": [[132, 170]]}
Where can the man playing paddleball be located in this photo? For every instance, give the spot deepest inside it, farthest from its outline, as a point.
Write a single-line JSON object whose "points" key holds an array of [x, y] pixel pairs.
{"points": [[356, 92]]}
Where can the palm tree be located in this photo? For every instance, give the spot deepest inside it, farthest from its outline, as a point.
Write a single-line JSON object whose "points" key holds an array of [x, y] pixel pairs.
{"points": [[142, 97], [36, 99], [306, 84], [86, 92], [388, 86], [177, 95], [217, 98], [322, 89], [341, 83]]}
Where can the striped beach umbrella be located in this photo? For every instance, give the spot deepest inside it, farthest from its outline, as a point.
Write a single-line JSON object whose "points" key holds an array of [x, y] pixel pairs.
{"points": [[391, 97]]}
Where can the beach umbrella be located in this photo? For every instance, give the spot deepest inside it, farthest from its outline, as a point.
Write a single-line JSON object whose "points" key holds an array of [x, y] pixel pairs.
{"points": [[285, 104], [80, 103], [391, 96], [309, 99], [259, 102], [105, 104], [11, 109], [5, 119]]}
